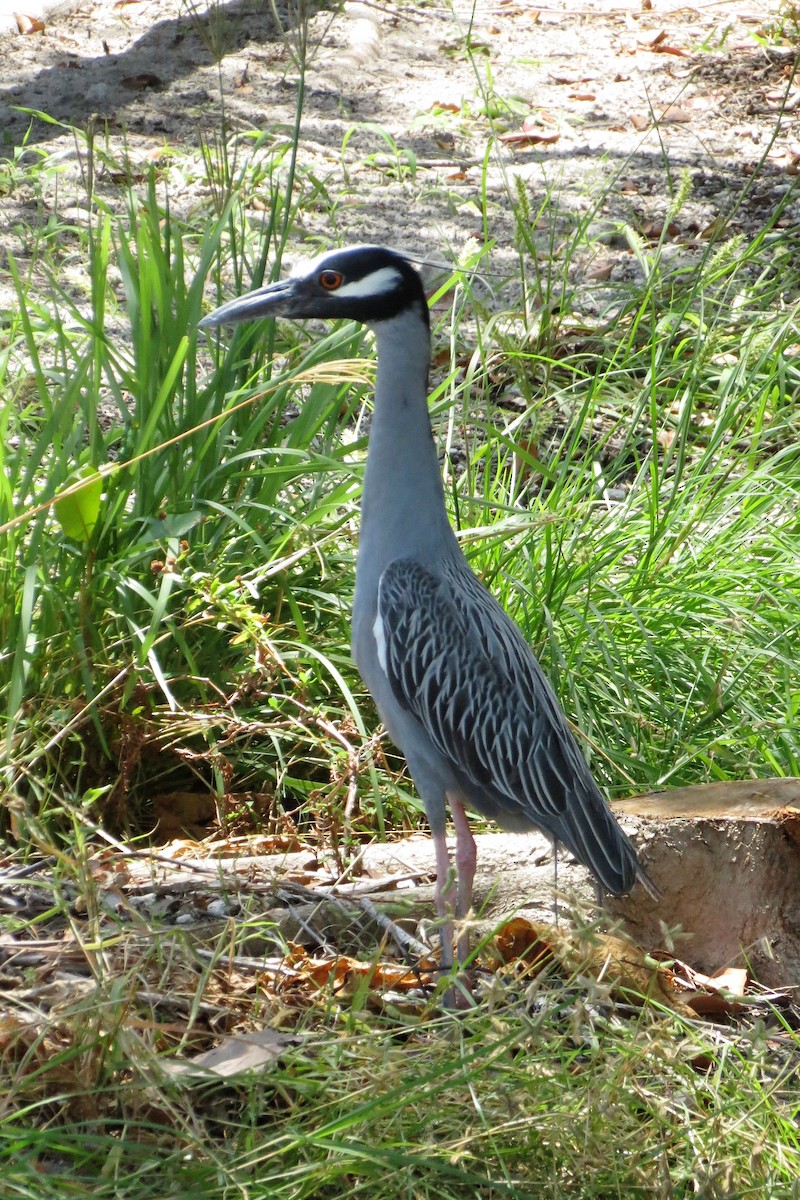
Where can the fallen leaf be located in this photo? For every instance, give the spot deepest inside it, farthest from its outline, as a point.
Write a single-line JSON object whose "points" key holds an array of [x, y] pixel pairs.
{"points": [[786, 101], [26, 24], [664, 49], [599, 270], [675, 115], [519, 940], [527, 449], [702, 103], [731, 979], [615, 961], [711, 1004], [653, 230], [582, 96], [234, 1055], [524, 137]]}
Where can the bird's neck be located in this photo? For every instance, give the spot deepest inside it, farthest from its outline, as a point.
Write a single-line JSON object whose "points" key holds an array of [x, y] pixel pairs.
{"points": [[403, 509]]}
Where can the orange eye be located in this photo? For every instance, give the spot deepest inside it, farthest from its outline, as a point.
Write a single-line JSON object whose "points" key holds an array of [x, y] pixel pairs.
{"points": [[331, 280]]}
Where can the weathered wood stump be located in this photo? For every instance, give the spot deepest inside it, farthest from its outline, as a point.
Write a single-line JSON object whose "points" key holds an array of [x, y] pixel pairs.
{"points": [[727, 859]]}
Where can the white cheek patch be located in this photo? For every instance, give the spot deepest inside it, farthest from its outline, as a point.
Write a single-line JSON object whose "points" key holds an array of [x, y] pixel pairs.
{"points": [[380, 642], [377, 283]]}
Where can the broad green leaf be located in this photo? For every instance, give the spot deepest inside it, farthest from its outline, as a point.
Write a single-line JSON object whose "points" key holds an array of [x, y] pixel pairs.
{"points": [[77, 512]]}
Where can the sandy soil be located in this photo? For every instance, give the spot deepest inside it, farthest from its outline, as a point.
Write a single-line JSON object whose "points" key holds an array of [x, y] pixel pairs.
{"points": [[607, 98]]}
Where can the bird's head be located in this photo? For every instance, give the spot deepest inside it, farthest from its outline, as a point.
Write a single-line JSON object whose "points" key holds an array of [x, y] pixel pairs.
{"points": [[362, 283]]}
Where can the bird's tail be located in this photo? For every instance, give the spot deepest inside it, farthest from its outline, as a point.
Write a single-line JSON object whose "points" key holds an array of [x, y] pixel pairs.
{"points": [[590, 830]]}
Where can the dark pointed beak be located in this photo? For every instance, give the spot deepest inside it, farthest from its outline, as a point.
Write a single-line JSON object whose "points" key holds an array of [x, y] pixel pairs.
{"points": [[274, 300]]}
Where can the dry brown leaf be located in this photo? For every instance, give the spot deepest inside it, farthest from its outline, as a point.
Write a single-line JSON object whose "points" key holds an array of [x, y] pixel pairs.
{"points": [[519, 940], [675, 115], [709, 995], [710, 1004], [653, 230], [527, 449], [599, 270], [542, 117], [614, 961], [664, 49], [787, 101], [659, 46], [624, 967], [730, 979], [234, 1055], [345, 975], [528, 138], [512, 9], [26, 24]]}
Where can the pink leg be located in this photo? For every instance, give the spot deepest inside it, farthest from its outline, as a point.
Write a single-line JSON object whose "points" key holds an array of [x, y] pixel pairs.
{"points": [[466, 861], [444, 907]]}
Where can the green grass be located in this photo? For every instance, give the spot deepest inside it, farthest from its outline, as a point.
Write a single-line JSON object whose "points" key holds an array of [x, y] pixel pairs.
{"points": [[546, 1090], [625, 478]]}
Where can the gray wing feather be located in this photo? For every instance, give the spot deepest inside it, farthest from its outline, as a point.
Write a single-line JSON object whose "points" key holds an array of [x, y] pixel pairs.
{"points": [[461, 667]]}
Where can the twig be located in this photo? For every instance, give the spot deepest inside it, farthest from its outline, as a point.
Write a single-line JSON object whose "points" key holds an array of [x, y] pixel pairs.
{"points": [[405, 941]]}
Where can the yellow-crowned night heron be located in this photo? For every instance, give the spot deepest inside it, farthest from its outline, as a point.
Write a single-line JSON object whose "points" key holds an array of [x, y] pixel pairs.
{"points": [[458, 688]]}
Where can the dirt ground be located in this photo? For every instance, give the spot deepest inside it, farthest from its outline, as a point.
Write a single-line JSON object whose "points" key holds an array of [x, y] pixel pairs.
{"points": [[597, 99]]}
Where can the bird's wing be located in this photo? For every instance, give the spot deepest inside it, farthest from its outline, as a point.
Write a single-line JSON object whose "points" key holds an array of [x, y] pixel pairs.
{"points": [[484, 702], [460, 666]]}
